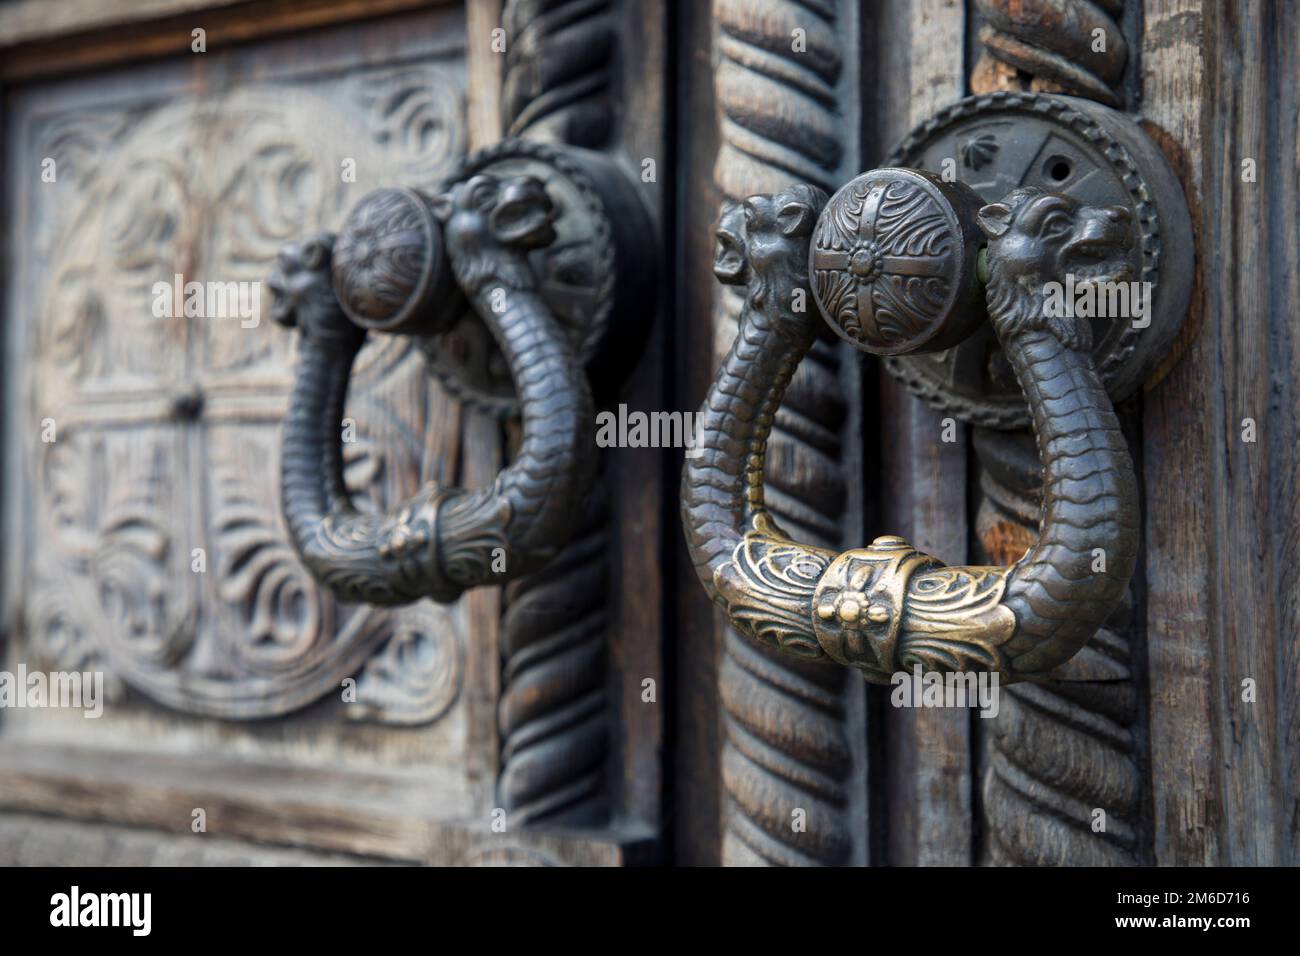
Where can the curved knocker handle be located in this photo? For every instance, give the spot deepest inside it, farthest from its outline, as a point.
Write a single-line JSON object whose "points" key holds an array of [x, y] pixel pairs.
{"points": [[390, 273], [899, 261], [539, 242]]}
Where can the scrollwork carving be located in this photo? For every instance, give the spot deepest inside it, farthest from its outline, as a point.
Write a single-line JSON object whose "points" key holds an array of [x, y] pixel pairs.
{"points": [[772, 581], [177, 572], [415, 115], [416, 676], [279, 619]]}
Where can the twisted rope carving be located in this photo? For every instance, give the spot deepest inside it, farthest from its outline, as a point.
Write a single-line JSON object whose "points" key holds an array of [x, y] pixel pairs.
{"points": [[786, 746], [1061, 749], [1055, 46], [559, 61], [552, 714], [552, 711], [1058, 750], [778, 116]]}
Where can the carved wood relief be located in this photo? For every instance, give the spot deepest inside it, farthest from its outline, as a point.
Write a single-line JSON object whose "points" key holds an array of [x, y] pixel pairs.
{"points": [[156, 545]]}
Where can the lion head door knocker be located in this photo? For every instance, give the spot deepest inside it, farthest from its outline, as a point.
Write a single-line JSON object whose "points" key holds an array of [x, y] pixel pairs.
{"points": [[509, 280], [954, 287]]}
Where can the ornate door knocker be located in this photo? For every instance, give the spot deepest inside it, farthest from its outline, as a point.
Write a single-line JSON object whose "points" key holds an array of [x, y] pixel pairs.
{"points": [[509, 279], [902, 262]]}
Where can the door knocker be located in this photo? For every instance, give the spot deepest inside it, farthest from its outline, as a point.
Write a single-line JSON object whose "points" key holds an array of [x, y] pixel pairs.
{"points": [[904, 262], [509, 279]]}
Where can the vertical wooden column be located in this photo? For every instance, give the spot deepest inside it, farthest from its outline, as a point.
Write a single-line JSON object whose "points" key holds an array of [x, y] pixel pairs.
{"points": [[482, 434], [578, 744], [558, 86], [1222, 511], [1060, 751], [927, 785], [785, 108]]}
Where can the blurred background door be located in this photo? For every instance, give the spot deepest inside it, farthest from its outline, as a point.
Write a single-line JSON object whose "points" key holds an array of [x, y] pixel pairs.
{"points": [[247, 716]]}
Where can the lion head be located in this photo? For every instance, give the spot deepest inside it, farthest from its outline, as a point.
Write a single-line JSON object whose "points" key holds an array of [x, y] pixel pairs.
{"points": [[763, 243], [1036, 237], [490, 224], [302, 293]]}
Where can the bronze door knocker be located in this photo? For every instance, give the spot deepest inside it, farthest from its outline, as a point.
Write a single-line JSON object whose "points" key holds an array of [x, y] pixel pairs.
{"points": [[902, 261], [524, 257]]}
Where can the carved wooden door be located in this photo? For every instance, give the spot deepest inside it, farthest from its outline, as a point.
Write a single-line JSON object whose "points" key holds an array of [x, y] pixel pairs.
{"points": [[600, 710], [245, 713]]}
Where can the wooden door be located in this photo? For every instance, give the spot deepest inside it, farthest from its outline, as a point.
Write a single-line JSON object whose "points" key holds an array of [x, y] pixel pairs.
{"points": [[602, 712], [1179, 733], [245, 714]]}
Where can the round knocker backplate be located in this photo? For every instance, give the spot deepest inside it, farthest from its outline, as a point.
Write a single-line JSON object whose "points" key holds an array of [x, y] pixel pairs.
{"points": [[999, 142], [584, 279]]}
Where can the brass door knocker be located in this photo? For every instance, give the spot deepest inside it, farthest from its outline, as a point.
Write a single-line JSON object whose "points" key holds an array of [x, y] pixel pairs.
{"points": [[520, 258], [902, 261]]}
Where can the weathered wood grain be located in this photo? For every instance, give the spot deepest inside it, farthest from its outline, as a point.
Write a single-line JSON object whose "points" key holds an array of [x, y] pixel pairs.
{"points": [[485, 68], [930, 784], [1219, 87], [483, 459], [29, 840], [695, 625], [928, 788], [643, 512], [44, 38], [385, 813]]}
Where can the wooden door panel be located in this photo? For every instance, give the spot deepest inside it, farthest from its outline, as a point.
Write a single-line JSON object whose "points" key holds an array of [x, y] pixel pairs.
{"points": [[144, 541], [145, 538], [1198, 663]]}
